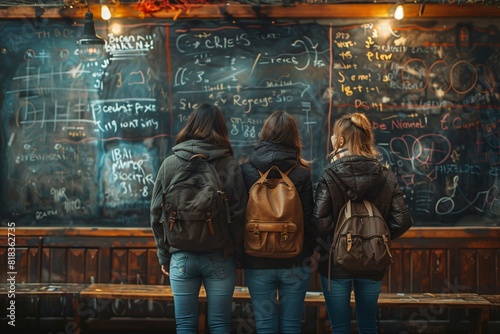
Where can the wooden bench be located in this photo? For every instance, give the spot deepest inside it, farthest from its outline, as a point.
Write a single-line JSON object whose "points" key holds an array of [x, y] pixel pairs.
{"points": [[495, 305], [494, 300], [38, 290], [138, 292], [477, 306]]}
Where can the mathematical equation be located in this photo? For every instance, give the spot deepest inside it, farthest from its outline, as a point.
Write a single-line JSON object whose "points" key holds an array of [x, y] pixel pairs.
{"points": [[379, 69]]}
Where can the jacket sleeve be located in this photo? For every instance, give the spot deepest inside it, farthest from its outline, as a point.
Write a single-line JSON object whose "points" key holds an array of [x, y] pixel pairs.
{"points": [[156, 216], [400, 219], [322, 217], [238, 198]]}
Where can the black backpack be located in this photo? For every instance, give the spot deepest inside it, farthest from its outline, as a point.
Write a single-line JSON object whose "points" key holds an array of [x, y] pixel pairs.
{"points": [[196, 208], [361, 239]]}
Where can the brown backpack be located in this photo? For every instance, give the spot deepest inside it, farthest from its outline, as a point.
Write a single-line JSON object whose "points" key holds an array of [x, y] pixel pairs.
{"points": [[274, 218], [361, 239], [361, 242]]}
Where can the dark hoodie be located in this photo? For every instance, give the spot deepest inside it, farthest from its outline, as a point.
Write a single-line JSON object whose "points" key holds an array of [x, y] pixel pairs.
{"points": [[264, 157], [367, 179], [231, 178]]}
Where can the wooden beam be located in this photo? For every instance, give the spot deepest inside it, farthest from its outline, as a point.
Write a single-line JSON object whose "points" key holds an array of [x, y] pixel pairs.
{"points": [[300, 11], [462, 232]]}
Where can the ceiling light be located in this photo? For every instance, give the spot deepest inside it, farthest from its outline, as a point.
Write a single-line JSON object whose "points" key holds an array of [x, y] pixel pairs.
{"points": [[90, 46], [105, 12], [399, 12]]}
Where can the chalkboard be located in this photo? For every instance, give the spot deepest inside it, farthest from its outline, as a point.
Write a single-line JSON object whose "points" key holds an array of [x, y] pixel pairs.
{"points": [[249, 70], [81, 143]]}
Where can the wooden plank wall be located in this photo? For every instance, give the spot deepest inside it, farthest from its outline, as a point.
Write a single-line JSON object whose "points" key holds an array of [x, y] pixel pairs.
{"points": [[426, 260]]}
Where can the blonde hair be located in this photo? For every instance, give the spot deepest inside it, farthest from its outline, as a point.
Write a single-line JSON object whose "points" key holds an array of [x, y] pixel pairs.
{"points": [[281, 128], [357, 132]]}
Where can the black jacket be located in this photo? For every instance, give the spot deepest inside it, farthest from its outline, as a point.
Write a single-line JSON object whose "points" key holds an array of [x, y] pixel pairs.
{"points": [[365, 179], [231, 178], [264, 157]]}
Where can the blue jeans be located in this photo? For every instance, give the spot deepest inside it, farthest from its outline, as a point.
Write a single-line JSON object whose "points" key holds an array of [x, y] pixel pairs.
{"points": [[188, 271], [285, 314], [366, 292]]}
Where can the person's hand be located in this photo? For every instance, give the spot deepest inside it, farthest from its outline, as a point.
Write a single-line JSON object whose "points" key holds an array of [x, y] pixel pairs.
{"points": [[164, 269]]}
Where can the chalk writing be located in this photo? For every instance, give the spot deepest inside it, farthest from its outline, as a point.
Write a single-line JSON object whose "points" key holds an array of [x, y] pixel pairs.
{"points": [[82, 141]]}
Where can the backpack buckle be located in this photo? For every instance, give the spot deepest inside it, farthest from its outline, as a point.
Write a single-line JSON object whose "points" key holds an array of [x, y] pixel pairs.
{"points": [[210, 223], [284, 234], [256, 232], [224, 195], [349, 241], [386, 243], [171, 220]]}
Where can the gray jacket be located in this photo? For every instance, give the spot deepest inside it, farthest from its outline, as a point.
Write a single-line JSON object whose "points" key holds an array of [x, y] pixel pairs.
{"points": [[231, 178]]}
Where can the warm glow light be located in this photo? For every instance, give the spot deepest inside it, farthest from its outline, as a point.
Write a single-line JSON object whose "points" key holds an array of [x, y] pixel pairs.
{"points": [[399, 13], [90, 46], [384, 29], [116, 29], [105, 12]]}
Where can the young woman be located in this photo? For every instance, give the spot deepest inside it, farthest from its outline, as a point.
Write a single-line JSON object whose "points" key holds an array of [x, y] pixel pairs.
{"points": [[280, 145], [355, 166], [205, 133]]}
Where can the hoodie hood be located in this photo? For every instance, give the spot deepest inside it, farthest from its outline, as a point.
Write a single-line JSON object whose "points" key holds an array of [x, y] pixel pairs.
{"points": [[360, 176], [188, 148], [268, 154]]}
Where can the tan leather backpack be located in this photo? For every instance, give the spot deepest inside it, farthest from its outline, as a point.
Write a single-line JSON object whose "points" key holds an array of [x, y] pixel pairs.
{"points": [[274, 217]]}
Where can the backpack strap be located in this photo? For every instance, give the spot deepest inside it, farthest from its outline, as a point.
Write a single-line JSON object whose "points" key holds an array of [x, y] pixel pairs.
{"points": [[290, 169], [284, 176], [163, 193], [286, 172], [165, 178], [226, 204], [198, 155]]}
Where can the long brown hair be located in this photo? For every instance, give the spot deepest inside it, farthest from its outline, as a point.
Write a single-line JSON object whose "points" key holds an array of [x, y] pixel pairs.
{"points": [[206, 122], [281, 128], [357, 132]]}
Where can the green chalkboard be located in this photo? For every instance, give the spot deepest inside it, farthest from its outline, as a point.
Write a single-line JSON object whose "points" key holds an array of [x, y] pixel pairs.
{"points": [[81, 143]]}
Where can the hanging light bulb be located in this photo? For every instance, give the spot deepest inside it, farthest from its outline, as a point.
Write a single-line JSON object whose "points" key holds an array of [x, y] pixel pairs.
{"points": [[105, 12], [90, 46], [399, 12]]}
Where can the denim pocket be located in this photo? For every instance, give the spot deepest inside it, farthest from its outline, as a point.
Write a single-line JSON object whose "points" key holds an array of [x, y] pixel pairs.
{"points": [[178, 265]]}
